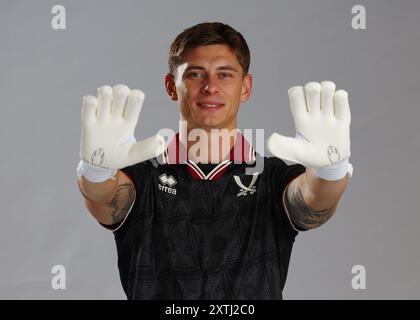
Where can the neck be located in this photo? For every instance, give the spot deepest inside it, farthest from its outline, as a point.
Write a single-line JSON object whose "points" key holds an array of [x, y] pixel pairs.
{"points": [[210, 145]]}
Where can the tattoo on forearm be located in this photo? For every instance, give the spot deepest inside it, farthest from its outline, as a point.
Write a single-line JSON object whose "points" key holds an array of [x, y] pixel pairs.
{"points": [[121, 202], [302, 215]]}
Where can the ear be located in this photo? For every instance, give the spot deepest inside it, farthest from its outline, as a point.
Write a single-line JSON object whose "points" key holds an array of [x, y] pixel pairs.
{"points": [[170, 86], [246, 87]]}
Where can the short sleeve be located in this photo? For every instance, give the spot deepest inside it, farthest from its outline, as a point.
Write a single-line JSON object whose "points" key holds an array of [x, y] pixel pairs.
{"points": [[280, 175]]}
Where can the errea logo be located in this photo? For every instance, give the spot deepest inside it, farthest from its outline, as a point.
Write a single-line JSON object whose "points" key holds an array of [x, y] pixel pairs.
{"points": [[167, 183]]}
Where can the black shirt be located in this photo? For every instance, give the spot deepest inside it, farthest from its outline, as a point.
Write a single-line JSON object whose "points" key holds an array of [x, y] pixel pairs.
{"points": [[189, 238]]}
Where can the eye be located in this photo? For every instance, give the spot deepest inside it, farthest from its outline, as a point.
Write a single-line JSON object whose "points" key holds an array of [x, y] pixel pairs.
{"points": [[225, 75], [193, 75]]}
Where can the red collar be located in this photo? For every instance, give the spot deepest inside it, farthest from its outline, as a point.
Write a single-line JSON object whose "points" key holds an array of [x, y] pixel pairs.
{"points": [[241, 152]]}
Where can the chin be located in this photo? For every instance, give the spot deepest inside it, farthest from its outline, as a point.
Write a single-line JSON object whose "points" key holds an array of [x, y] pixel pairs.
{"points": [[211, 124]]}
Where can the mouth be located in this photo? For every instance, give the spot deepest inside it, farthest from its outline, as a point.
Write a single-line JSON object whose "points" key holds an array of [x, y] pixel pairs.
{"points": [[210, 106]]}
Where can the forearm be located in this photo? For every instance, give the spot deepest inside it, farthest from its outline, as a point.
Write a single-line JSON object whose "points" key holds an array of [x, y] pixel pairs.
{"points": [[321, 194], [311, 201], [102, 192]]}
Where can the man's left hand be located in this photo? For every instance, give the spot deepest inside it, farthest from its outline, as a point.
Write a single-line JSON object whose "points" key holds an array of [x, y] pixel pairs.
{"points": [[322, 121]]}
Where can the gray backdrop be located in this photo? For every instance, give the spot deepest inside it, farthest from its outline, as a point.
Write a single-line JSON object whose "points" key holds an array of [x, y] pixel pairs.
{"points": [[44, 74]]}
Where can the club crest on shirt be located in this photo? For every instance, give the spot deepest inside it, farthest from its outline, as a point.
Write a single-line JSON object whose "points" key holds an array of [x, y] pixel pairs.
{"points": [[251, 189]]}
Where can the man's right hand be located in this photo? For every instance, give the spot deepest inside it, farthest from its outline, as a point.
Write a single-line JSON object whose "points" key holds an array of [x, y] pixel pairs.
{"points": [[108, 124]]}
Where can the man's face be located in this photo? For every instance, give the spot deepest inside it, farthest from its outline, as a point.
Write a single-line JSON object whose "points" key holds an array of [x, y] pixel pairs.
{"points": [[209, 86]]}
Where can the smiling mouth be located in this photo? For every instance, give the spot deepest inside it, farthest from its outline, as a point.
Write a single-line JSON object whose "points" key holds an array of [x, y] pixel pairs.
{"points": [[211, 106]]}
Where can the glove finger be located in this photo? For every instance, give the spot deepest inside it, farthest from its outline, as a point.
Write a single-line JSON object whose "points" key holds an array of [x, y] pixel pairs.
{"points": [[89, 109], [297, 103], [104, 102], [286, 148], [327, 98], [134, 105], [119, 100], [313, 97], [146, 149], [342, 108]]}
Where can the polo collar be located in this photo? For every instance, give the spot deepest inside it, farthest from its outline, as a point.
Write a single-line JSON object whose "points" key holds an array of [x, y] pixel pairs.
{"points": [[242, 152]]}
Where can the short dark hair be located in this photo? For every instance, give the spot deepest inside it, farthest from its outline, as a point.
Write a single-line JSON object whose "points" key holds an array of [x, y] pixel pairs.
{"points": [[208, 33]]}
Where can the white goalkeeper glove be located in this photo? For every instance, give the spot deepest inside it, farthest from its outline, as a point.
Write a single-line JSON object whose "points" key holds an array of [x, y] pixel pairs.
{"points": [[107, 140], [322, 121]]}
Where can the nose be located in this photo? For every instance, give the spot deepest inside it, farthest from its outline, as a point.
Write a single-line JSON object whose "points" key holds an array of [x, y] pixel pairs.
{"points": [[210, 85]]}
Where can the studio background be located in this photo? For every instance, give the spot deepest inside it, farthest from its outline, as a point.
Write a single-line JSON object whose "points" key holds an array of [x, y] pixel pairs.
{"points": [[44, 73]]}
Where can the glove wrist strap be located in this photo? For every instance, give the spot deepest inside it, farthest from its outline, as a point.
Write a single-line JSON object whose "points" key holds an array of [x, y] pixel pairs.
{"points": [[335, 173], [94, 173]]}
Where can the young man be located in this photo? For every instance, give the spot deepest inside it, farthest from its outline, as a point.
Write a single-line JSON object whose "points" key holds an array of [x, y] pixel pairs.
{"points": [[191, 223]]}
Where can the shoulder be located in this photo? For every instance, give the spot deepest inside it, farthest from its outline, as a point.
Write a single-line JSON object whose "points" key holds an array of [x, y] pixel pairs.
{"points": [[279, 172], [274, 163], [140, 169]]}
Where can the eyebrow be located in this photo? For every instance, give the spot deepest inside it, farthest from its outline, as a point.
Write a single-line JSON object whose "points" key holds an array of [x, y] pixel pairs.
{"points": [[227, 67]]}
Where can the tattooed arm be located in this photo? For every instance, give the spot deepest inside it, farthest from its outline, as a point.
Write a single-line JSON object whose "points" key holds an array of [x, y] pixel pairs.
{"points": [[310, 201], [110, 201]]}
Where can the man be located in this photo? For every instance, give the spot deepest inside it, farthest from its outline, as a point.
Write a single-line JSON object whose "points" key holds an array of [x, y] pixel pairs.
{"points": [[193, 224]]}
